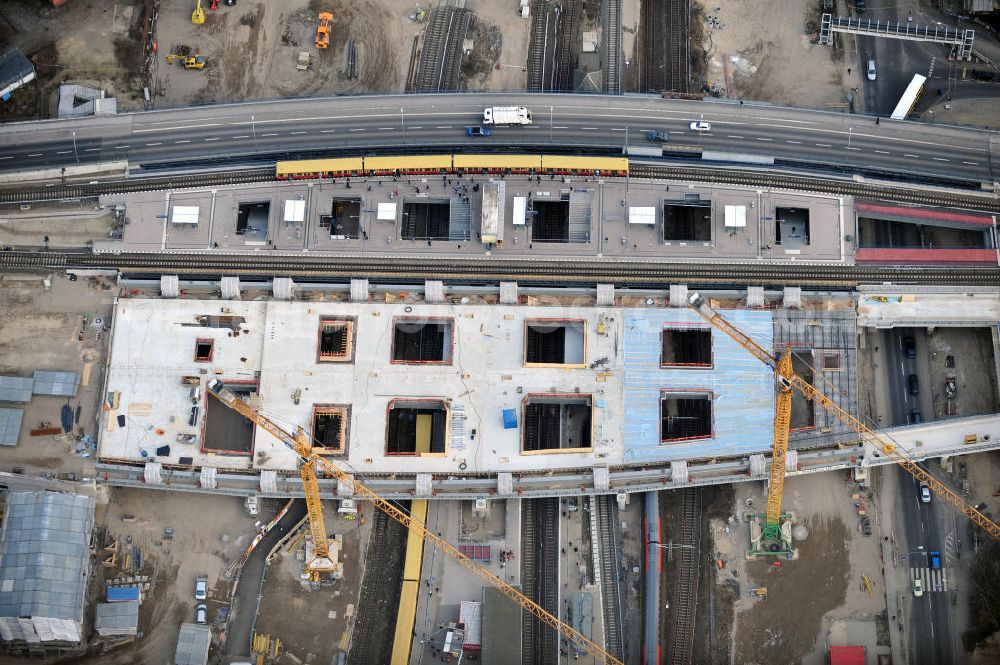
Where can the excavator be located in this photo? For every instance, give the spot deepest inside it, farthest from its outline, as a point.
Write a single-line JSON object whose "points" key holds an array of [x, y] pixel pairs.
{"points": [[309, 461], [323, 30], [881, 443], [189, 61]]}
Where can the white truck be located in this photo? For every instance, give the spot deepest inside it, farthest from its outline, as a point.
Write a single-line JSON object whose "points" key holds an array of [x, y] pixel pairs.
{"points": [[506, 115]]}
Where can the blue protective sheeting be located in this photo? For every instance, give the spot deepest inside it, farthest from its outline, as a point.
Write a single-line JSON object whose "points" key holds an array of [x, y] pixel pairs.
{"points": [[742, 387], [510, 418], [123, 594]]}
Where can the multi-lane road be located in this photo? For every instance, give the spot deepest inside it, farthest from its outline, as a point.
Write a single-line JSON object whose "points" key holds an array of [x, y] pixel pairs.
{"points": [[263, 131]]}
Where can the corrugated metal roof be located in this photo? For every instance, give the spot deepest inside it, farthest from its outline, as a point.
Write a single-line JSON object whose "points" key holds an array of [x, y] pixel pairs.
{"points": [[10, 426], [192, 645], [61, 384], [15, 69], [44, 555], [741, 387], [117, 618], [16, 388]]}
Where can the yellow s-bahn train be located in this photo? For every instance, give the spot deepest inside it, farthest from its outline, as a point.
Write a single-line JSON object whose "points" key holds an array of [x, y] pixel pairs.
{"points": [[346, 167]]}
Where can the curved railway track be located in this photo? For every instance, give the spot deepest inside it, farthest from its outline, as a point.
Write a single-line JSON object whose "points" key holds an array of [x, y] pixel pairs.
{"points": [[565, 271]]}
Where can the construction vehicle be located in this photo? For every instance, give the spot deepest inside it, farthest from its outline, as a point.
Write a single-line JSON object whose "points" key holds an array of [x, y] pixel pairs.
{"points": [[323, 30], [189, 62], [881, 443], [198, 15], [301, 444]]}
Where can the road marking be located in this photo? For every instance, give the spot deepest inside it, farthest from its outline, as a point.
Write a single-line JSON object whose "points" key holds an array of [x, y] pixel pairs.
{"points": [[559, 127], [169, 129], [214, 138], [65, 152], [971, 163], [761, 138], [883, 152], [35, 154], [242, 136], [381, 129], [735, 136], [6, 158], [91, 149], [293, 133], [438, 127], [793, 141], [354, 130], [905, 154], [328, 131], [151, 144], [940, 159], [854, 149], [413, 127], [823, 145], [183, 141], [615, 129], [590, 129], [271, 134], [122, 147]]}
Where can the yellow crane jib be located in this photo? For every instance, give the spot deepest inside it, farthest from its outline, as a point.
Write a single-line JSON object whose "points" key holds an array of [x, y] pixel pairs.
{"points": [[301, 444], [319, 562], [882, 444]]}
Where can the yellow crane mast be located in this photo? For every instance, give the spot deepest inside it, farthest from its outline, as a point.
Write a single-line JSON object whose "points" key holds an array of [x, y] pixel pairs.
{"points": [[776, 536], [881, 443], [320, 562], [301, 444]]}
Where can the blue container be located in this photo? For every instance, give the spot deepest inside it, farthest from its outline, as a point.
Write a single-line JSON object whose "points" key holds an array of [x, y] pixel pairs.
{"points": [[510, 418], [121, 594]]}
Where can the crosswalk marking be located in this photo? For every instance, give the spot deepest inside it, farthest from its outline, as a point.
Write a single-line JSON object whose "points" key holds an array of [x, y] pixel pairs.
{"points": [[933, 580]]}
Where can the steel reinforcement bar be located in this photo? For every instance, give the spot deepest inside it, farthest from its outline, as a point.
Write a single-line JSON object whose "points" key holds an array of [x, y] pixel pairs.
{"points": [[575, 271]]}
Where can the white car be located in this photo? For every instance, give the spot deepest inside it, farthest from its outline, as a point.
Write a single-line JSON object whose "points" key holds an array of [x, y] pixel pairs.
{"points": [[871, 70], [701, 126], [918, 588], [925, 493], [201, 588], [201, 613]]}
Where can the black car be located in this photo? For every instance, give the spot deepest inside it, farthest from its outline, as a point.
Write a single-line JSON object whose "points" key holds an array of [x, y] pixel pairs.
{"points": [[913, 384], [910, 346], [980, 75]]}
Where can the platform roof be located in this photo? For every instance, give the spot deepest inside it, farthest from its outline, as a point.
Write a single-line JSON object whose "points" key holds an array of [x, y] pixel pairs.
{"points": [[483, 374], [45, 555]]}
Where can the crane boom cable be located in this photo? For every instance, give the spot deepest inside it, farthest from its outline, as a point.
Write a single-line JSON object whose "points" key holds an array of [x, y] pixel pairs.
{"points": [[880, 442], [301, 446]]}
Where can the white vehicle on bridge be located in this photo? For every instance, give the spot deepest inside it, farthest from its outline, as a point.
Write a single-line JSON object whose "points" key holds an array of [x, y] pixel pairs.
{"points": [[701, 126], [506, 115]]}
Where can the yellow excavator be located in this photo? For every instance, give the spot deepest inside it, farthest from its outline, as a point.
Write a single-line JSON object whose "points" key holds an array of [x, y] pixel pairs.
{"points": [[310, 461], [189, 62]]}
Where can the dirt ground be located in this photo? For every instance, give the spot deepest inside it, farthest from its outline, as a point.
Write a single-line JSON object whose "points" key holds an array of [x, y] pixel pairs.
{"points": [[313, 625], [761, 51], [198, 547], [972, 348], [41, 330], [807, 599]]}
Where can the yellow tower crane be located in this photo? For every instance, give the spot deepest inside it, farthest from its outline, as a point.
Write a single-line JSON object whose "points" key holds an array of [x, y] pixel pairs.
{"points": [[198, 15], [301, 444], [880, 442]]}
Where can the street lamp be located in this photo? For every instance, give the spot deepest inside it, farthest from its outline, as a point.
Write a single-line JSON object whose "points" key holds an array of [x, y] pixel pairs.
{"points": [[76, 153], [847, 150]]}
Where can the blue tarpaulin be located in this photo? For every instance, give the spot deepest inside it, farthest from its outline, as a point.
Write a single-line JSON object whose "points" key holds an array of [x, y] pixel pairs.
{"points": [[121, 594], [510, 418]]}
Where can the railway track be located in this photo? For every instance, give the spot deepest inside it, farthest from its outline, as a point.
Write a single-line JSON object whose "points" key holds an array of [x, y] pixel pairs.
{"points": [[568, 29], [684, 588], [611, 605], [575, 271], [538, 46], [540, 578], [612, 20], [676, 36], [441, 55], [378, 603]]}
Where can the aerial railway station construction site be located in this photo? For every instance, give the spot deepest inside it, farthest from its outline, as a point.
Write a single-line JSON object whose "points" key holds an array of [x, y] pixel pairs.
{"points": [[355, 333]]}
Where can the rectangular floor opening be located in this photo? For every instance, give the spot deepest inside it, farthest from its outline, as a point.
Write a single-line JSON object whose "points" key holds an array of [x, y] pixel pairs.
{"points": [[886, 233], [252, 220], [803, 413], [689, 347], [344, 220], [685, 416], [554, 342], [550, 221], [555, 423], [426, 219], [416, 427], [416, 340], [329, 430], [226, 431], [336, 340], [687, 222], [791, 227]]}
